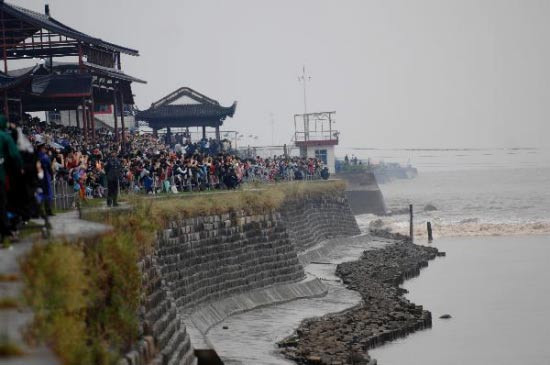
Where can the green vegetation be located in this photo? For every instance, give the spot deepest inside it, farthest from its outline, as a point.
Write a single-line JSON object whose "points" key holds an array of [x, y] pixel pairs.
{"points": [[86, 294], [249, 199]]}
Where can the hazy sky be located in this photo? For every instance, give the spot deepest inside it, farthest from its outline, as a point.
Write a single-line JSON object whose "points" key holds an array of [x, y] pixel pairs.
{"points": [[399, 73]]}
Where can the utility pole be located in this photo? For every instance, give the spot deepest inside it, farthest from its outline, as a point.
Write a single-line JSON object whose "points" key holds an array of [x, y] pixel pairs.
{"points": [[272, 121], [304, 79]]}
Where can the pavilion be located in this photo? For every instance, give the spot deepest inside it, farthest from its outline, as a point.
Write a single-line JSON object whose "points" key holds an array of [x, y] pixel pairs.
{"points": [[185, 108], [94, 77]]}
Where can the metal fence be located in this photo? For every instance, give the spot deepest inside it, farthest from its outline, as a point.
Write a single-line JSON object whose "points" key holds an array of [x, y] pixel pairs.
{"points": [[63, 195]]}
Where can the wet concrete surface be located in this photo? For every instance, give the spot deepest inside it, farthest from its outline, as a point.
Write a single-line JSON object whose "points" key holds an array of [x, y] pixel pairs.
{"points": [[251, 337]]}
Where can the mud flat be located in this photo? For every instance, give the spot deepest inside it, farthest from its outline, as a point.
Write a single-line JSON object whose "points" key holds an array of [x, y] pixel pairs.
{"points": [[383, 315]]}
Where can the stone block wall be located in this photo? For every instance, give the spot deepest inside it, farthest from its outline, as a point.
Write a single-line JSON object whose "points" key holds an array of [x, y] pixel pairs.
{"points": [[318, 218], [208, 258], [162, 321], [210, 262]]}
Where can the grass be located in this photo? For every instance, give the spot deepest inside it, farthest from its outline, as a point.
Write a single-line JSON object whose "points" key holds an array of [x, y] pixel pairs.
{"points": [[86, 295], [251, 200], [8, 348], [8, 303]]}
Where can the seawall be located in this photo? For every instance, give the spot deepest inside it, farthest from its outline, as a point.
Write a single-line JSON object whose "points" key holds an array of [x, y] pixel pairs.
{"points": [[205, 269], [363, 193]]}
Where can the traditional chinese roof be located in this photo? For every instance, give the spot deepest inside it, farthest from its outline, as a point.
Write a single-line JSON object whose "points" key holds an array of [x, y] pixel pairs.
{"points": [[21, 23], [186, 107]]}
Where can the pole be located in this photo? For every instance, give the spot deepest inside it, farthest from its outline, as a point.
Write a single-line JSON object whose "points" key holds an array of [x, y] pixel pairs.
{"points": [[92, 117], [430, 236], [77, 119], [411, 229], [121, 103], [84, 121], [114, 115], [304, 80]]}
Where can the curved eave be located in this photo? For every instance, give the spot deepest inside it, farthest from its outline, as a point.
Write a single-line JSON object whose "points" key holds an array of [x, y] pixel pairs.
{"points": [[46, 22]]}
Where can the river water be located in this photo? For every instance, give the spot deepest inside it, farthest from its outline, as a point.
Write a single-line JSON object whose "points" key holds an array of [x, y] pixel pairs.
{"points": [[492, 217], [496, 290]]}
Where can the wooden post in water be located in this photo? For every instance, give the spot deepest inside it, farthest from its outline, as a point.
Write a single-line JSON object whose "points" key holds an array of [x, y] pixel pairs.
{"points": [[411, 227], [430, 236]]}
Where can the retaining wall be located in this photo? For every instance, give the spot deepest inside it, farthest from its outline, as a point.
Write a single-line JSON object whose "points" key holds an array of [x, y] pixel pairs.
{"points": [[363, 193], [318, 218], [208, 268]]}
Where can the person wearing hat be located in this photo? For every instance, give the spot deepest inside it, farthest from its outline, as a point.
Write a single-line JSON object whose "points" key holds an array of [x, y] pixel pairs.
{"points": [[9, 154]]}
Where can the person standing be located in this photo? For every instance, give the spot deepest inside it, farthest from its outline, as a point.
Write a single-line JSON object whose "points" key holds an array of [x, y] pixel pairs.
{"points": [[113, 169], [47, 189], [9, 155]]}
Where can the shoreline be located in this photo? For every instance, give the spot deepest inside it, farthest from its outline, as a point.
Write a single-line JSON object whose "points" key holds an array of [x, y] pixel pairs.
{"points": [[384, 314]]}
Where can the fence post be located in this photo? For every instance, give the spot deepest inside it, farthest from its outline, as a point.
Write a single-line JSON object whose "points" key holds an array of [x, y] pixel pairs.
{"points": [[411, 226], [54, 190]]}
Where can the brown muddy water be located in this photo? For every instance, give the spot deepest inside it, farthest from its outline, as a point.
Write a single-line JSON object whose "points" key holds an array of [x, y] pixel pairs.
{"points": [[497, 291]]}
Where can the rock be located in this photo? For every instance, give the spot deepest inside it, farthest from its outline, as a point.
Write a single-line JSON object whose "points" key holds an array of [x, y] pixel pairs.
{"points": [[225, 327], [446, 316], [314, 359], [430, 208]]}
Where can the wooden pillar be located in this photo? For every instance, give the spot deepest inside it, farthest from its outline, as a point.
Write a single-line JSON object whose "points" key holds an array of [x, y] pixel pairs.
{"points": [[121, 103], [92, 118], [5, 57], [21, 110], [88, 124], [77, 119], [218, 133], [84, 121], [203, 132], [6, 107], [411, 223], [114, 115]]}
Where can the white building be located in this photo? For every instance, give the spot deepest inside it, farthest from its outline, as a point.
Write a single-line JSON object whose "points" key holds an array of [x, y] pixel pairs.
{"points": [[315, 137]]}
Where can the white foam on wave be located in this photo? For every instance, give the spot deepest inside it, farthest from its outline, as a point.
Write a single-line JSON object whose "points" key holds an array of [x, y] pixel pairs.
{"points": [[470, 227]]}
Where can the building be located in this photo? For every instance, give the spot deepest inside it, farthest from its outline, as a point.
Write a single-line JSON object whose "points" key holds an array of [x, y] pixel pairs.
{"points": [[187, 108], [89, 77], [315, 137]]}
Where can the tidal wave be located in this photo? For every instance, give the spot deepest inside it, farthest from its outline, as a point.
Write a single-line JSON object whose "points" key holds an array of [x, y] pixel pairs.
{"points": [[468, 227]]}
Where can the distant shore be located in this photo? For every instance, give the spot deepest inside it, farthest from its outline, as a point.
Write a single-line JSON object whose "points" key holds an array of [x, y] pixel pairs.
{"points": [[384, 314]]}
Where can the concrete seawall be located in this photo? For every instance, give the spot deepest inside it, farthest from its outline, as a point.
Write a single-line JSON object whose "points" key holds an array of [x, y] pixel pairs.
{"points": [[363, 193], [206, 269]]}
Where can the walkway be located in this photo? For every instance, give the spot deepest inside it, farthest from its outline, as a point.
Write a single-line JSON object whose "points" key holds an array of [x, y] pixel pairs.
{"points": [[13, 320]]}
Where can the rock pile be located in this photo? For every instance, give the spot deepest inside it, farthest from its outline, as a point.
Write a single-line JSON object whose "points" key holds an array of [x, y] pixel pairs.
{"points": [[384, 315]]}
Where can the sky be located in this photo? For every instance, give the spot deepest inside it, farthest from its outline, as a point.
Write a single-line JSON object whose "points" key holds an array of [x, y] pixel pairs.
{"points": [[398, 73]]}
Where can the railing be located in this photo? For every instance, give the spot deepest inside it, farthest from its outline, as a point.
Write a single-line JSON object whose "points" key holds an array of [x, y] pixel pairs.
{"points": [[328, 135], [64, 196]]}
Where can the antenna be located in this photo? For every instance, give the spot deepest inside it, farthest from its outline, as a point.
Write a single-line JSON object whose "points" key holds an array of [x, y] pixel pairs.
{"points": [[272, 121], [305, 79]]}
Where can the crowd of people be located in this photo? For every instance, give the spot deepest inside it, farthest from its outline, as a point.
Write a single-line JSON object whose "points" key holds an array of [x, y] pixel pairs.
{"points": [[36, 155]]}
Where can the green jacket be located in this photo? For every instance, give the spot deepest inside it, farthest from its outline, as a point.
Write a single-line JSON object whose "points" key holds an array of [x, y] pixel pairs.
{"points": [[8, 151]]}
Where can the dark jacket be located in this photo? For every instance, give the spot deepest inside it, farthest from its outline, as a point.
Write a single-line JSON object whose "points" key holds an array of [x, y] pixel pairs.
{"points": [[113, 168]]}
